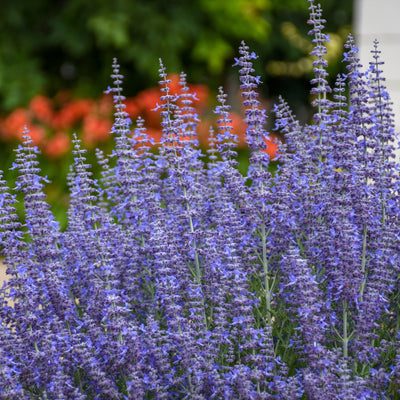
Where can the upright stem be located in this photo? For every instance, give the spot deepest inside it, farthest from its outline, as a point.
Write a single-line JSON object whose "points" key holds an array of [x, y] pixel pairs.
{"points": [[266, 274], [363, 262], [345, 330], [196, 254]]}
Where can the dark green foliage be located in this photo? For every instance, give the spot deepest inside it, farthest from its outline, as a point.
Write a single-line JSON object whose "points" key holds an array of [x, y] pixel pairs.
{"points": [[48, 45]]}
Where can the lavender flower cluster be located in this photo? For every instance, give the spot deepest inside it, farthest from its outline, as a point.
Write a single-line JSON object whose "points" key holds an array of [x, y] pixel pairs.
{"points": [[178, 278]]}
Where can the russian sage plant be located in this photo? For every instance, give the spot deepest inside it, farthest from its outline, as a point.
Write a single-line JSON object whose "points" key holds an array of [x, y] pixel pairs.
{"points": [[179, 278]]}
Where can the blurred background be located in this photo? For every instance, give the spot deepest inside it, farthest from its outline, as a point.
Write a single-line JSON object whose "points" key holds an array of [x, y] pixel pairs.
{"points": [[56, 56]]}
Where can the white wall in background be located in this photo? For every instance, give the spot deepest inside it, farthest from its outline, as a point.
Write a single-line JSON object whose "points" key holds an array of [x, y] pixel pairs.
{"points": [[379, 19]]}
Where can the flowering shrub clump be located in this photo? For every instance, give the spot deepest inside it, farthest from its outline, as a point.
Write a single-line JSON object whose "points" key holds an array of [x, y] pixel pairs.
{"points": [[180, 279]]}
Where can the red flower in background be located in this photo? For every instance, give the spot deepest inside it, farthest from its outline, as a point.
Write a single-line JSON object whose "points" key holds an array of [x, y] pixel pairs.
{"points": [[105, 105], [96, 129], [12, 126], [155, 134], [51, 122], [146, 101], [57, 145], [132, 108], [174, 85], [71, 113], [272, 145], [202, 94], [37, 134], [43, 108], [239, 128]]}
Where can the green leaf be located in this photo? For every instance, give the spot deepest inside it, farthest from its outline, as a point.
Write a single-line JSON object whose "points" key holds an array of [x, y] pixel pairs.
{"points": [[110, 30], [214, 51]]}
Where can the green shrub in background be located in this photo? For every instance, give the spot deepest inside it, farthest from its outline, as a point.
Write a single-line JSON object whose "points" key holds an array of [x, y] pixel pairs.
{"points": [[46, 46]]}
